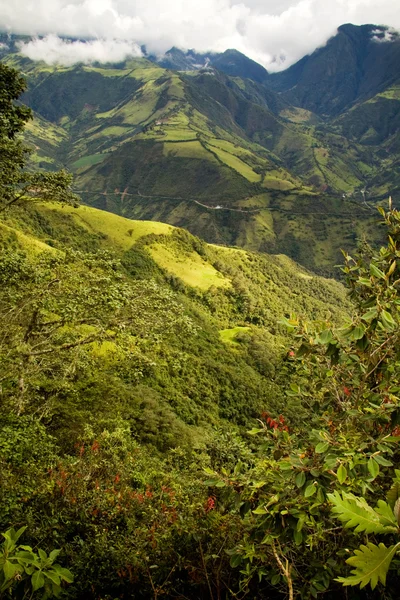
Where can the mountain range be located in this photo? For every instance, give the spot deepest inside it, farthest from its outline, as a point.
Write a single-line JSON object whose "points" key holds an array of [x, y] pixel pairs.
{"points": [[290, 162]]}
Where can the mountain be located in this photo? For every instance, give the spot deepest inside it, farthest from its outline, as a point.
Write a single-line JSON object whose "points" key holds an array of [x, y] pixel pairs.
{"points": [[355, 65], [231, 62], [233, 160]]}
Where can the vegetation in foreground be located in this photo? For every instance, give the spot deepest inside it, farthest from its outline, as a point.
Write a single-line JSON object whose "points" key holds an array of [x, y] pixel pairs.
{"points": [[124, 416]]}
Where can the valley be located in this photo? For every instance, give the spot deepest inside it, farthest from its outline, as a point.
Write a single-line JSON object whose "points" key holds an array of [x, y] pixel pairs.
{"points": [[150, 143], [200, 330]]}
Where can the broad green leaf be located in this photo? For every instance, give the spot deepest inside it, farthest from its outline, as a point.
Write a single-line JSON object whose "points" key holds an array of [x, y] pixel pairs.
{"points": [[373, 467], [37, 580], [10, 569], [65, 574], [387, 320], [383, 461], [53, 576], [358, 332], [355, 512], [321, 447], [300, 479], [371, 564], [220, 484], [370, 314], [42, 554], [310, 489], [341, 474], [260, 510], [325, 336], [235, 560]]}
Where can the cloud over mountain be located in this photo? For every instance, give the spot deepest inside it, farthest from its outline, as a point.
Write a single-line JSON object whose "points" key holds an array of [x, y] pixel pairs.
{"points": [[54, 50], [275, 33]]}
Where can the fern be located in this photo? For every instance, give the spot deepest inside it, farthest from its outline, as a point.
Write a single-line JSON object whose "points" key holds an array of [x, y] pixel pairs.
{"points": [[393, 494], [355, 512], [371, 564]]}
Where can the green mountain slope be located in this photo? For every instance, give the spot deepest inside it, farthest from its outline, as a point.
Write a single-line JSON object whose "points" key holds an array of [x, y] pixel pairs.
{"points": [[223, 291], [225, 157]]}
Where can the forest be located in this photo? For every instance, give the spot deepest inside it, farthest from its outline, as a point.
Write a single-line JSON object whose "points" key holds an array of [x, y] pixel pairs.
{"points": [[230, 437]]}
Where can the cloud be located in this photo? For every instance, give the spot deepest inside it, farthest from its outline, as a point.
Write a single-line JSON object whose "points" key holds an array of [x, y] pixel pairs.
{"points": [[54, 50], [276, 33]]}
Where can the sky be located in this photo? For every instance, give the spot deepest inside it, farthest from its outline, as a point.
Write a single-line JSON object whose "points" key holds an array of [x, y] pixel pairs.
{"points": [[275, 33]]}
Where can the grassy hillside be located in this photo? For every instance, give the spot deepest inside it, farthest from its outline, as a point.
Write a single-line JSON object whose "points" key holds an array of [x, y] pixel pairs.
{"points": [[220, 292], [224, 157]]}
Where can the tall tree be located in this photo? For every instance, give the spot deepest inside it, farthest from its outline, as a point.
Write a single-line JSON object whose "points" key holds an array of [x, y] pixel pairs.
{"points": [[16, 183]]}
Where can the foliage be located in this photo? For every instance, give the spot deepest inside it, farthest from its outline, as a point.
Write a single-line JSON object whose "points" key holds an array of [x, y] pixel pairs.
{"points": [[371, 562], [23, 571], [16, 183], [348, 378]]}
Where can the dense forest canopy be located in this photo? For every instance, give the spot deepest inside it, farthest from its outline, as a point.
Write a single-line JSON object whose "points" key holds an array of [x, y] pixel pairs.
{"points": [[188, 439]]}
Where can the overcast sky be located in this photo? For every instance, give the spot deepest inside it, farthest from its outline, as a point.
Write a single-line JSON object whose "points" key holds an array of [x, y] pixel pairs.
{"points": [[276, 33]]}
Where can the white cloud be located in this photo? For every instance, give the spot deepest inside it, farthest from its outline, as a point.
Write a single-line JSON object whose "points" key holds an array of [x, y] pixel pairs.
{"points": [[273, 32], [54, 50]]}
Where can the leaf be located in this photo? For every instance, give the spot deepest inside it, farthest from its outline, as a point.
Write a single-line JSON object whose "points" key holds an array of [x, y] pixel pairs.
{"points": [[387, 516], [341, 474], [206, 470], [310, 490], [235, 560], [383, 461], [253, 431], [260, 510], [391, 268], [358, 332], [387, 320], [355, 512], [298, 537], [321, 447], [9, 569], [396, 511], [325, 336], [37, 580], [18, 534], [371, 564], [373, 269], [65, 574], [42, 554], [53, 555], [373, 467], [53, 576], [300, 479], [393, 494]]}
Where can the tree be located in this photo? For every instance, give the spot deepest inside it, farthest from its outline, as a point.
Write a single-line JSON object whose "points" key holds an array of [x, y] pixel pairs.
{"points": [[348, 379], [17, 184]]}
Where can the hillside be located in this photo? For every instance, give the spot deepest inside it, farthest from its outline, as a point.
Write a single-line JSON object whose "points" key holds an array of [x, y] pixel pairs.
{"points": [[184, 419], [225, 157], [230, 301]]}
